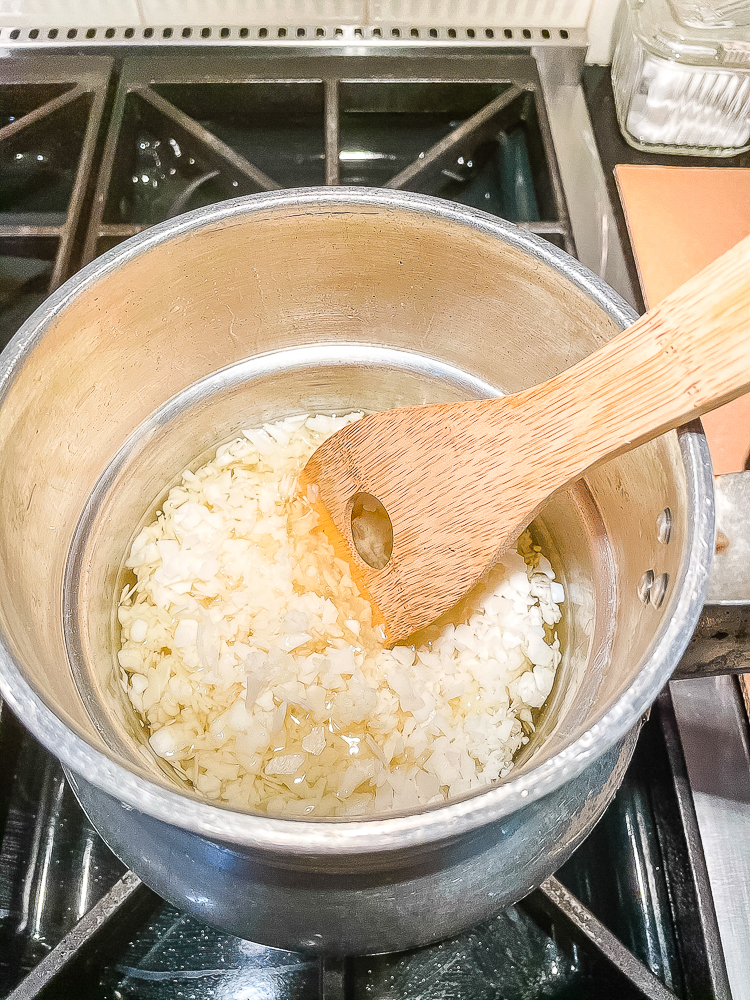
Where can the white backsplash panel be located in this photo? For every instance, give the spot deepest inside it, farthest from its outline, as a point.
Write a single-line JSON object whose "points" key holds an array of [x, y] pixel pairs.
{"points": [[594, 16]]}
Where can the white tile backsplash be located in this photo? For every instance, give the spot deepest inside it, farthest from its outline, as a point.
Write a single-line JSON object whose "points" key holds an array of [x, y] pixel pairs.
{"points": [[501, 13], [235, 12], [601, 23], [595, 15], [68, 13]]}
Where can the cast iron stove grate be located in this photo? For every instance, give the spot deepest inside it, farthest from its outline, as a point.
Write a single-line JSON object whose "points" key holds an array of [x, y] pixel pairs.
{"points": [[50, 113], [189, 131]]}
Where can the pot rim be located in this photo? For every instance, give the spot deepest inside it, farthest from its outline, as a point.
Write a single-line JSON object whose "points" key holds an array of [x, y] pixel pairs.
{"points": [[400, 830]]}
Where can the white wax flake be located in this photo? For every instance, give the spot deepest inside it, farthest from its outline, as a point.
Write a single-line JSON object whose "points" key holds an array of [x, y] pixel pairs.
{"points": [[286, 764], [294, 640], [138, 630], [315, 742], [186, 633], [163, 743]]}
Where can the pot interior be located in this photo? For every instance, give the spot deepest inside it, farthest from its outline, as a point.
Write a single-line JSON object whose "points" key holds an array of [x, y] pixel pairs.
{"points": [[176, 343]]}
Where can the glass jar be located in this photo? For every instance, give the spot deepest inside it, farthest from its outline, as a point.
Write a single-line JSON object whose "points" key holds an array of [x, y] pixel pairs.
{"points": [[681, 75]]}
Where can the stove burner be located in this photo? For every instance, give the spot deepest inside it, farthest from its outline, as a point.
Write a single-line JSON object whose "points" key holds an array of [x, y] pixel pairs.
{"points": [[192, 131], [50, 113]]}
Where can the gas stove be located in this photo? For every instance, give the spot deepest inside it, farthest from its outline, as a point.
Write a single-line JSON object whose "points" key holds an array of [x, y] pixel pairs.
{"points": [[630, 915], [104, 132]]}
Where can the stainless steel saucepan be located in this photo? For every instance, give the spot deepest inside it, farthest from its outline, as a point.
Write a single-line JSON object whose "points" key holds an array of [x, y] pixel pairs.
{"points": [[325, 300]]}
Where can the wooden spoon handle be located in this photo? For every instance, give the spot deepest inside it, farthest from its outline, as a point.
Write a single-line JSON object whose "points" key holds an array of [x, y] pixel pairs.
{"points": [[686, 356], [461, 480]]}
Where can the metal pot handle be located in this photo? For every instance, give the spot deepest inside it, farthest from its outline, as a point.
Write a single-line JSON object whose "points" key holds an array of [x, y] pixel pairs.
{"points": [[721, 641]]}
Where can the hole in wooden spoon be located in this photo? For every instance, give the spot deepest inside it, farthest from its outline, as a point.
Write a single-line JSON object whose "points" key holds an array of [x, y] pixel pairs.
{"points": [[372, 530]]}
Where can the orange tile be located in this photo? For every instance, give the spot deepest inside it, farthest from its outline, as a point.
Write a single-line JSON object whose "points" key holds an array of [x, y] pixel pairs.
{"points": [[680, 219]]}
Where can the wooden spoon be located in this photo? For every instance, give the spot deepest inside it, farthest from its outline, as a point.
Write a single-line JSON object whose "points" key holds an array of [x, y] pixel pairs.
{"points": [[460, 481]]}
